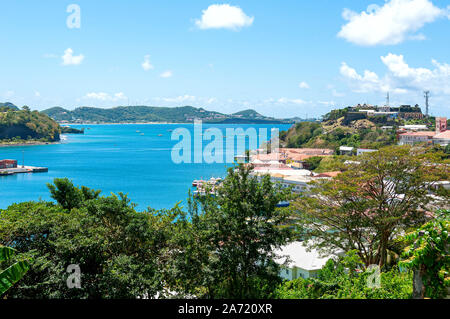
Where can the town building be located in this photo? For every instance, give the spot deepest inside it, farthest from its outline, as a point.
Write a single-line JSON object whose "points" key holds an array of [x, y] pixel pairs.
{"points": [[414, 127], [443, 139], [441, 124], [295, 157], [411, 138]]}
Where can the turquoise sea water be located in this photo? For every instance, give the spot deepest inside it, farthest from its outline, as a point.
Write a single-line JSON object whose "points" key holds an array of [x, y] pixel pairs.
{"points": [[114, 158]]}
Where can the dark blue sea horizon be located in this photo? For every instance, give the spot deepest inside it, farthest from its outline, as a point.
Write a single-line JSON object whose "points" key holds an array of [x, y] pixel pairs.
{"points": [[134, 159]]}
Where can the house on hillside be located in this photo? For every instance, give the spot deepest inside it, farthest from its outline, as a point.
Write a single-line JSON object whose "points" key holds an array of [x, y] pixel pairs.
{"points": [[360, 151], [346, 150], [297, 262]]}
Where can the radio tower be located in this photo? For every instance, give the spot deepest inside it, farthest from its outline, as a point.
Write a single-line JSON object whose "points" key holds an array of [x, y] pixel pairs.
{"points": [[427, 96], [387, 99]]}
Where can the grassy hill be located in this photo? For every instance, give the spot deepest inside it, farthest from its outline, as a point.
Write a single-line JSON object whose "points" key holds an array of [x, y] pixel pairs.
{"points": [[142, 114], [26, 125]]}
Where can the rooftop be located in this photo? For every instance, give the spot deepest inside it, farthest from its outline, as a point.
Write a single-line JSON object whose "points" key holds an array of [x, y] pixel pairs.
{"points": [[300, 257], [423, 133], [443, 135]]}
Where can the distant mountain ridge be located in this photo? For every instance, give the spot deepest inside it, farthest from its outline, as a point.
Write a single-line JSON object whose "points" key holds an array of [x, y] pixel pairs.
{"points": [[143, 114]]}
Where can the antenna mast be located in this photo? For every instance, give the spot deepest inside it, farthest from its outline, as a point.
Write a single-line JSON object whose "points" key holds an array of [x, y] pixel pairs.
{"points": [[427, 96]]}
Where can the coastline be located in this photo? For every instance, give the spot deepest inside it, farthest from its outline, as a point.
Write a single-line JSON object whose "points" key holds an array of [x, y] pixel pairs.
{"points": [[169, 123], [28, 144]]}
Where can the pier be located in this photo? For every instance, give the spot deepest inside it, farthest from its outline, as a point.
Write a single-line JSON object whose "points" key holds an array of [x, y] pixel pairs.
{"points": [[10, 167]]}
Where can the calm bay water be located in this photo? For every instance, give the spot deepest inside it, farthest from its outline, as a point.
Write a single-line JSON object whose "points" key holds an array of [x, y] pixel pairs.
{"points": [[114, 158]]}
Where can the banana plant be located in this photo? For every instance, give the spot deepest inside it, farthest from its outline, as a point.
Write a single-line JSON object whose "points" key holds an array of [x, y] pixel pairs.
{"points": [[14, 273]]}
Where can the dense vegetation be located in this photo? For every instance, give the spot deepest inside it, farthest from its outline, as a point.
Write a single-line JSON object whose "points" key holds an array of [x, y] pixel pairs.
{"points": [[342, 279], [131, 114], [223, 246], [127, 254], [26, 125]]}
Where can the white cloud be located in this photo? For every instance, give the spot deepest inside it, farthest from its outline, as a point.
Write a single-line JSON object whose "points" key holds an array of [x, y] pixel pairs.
{"points": [[102, 96], [166, 74], [368, 82], [285, 100], [50, 56], [70, 59], [146, 65], [394, 22], [178, 99], [303, 85], [37, 94], [224, 16], [400, 77]]}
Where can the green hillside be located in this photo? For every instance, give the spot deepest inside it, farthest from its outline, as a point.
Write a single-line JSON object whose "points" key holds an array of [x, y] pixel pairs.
{"points": [[142, 114], [335, 131], [26, 125]]}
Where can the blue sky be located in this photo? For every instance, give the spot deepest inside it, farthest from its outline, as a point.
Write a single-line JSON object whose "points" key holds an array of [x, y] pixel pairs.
{"points": [[282, 58]]}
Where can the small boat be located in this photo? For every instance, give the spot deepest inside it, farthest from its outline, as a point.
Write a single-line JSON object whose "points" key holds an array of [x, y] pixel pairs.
{"points": [[142, 134], [160, 135]]}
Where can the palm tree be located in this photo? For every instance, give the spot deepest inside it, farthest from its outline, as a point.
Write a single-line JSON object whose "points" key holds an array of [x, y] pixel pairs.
{"points": [[14, 273]]}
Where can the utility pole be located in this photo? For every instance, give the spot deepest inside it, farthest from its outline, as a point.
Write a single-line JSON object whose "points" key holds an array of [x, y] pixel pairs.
{"points": [[427, 96]]}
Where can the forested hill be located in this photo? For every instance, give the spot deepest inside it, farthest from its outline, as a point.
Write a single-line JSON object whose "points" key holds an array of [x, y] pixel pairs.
{"points": [[20, 125], [9, 106], [142, 114]]}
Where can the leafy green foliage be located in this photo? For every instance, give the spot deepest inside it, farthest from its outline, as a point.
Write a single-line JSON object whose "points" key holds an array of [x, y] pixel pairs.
{"points": [[342, 279], [428, 253], [13, 273], [227, 250], [371, 203], [117, 249]]}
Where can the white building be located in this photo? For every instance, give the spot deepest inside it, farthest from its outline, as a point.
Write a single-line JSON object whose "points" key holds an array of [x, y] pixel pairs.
{"points": [[346, 150], [297, 179], [414, 127], [442, 138], [412, 138], [360, 151], [300, 262]]}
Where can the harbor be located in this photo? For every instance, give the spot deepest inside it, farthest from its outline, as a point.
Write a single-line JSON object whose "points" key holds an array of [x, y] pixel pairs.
{"points": [[10, 167]]}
